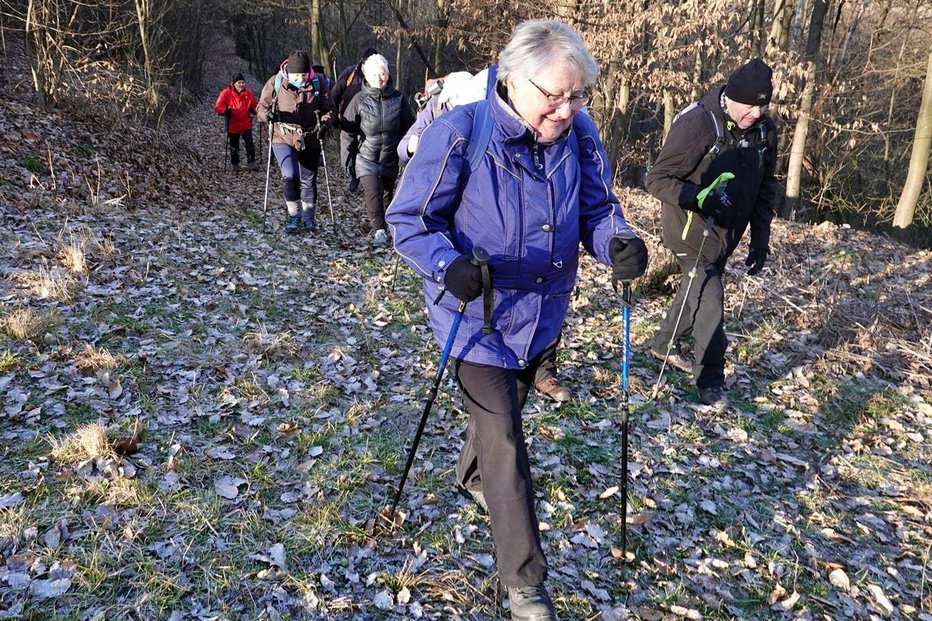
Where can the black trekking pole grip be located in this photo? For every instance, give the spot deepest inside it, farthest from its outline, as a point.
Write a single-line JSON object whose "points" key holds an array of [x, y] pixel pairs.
{"points": [[480, 258]]}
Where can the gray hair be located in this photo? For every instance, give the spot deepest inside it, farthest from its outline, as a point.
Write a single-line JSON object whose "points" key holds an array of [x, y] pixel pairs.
{"points": [[374, 62], [537, 44]]}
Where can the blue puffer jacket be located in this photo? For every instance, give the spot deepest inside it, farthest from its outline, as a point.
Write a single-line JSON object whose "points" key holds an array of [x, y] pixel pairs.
{"points": [[528, 204]]}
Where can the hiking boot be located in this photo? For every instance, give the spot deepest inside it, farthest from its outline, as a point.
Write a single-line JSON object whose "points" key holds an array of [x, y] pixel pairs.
{"points": [[674, 360], [552, 388], [531, 603], [307, 217], [380, 238], [291, 226], [235, 167], [475, 495], [714, 396], [353, 185], [252, 166]]}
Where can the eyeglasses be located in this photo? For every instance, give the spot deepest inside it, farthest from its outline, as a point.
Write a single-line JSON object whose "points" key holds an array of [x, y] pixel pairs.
{"points": [[576, 101]]}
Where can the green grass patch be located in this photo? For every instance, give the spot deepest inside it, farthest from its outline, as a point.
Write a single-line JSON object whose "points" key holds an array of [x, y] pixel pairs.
{"points": [[83, 150], [8, 361], [34, 164]]}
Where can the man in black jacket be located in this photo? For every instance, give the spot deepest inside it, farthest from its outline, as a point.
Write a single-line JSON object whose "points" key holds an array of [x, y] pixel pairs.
{"points": [[727, 131]]}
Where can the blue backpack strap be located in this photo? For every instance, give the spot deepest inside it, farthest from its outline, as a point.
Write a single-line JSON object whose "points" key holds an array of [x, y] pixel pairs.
{"points": [[481, 124], [480, 135]]}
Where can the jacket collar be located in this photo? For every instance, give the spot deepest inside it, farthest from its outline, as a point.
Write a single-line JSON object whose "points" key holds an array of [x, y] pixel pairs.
{"points": [[510, 122]]}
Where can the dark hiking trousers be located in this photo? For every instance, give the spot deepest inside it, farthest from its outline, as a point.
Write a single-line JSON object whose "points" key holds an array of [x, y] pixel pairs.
{"points": [[548, 364], [378, 193], [234, 147], [494, 460], [299, 171], [703, 317]]}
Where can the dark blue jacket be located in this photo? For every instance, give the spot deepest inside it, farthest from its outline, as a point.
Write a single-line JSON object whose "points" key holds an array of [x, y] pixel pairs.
{"points": [[528, 204]]}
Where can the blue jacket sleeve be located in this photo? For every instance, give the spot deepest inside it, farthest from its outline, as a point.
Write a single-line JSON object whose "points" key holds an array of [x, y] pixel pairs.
{"points": [[421, 214], [424, 118], [600, 214]]}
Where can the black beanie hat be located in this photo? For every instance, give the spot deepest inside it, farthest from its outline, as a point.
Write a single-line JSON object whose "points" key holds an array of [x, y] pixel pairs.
{"points": [[299, 62], [751, 84], [237, 77]]}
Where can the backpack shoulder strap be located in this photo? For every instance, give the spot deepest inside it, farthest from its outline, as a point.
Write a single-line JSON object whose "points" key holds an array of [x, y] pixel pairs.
{"points": [[481, 124], [719, 130], [480, 135], [278, 85]]}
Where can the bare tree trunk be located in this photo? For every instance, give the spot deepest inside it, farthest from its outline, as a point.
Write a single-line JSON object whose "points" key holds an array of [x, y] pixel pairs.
{"points": [[318, 49], [798, 146], [919, 160], [761, 47], [697, 77], [143, 12], [779, 27], [797, 20], [668, 112], [441, 27], [819, 9]]}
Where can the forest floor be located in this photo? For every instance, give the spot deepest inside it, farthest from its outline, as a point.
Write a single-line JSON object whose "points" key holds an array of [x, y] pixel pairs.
{"points": [[200, 417]]}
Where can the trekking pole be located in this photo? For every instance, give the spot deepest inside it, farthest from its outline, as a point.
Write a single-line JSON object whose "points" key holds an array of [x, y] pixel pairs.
{"points": [[268, 168], [625, 361], [395, 271], [226, 139], [480, 259], [258, 142], [323, 155], [718, 184]]}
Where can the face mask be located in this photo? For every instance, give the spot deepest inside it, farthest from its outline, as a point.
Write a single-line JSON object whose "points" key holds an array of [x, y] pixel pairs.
{"points": [[297, 82]]}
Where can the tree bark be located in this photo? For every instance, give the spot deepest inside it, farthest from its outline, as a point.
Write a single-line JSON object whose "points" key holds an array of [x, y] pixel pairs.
{"points": [[798, 146], [919, 160], [668, 112]]}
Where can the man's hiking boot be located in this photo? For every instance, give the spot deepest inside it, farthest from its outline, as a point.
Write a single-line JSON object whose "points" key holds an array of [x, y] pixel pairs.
{"points": [[236, 167], [714, 396], [552, 388], [353, 185], [531, 603], [475, 495], [674, 360], [252, 166], [291, 226]]}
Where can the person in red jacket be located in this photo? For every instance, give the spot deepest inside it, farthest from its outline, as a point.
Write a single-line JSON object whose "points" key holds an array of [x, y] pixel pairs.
{"points": [[237, 103]]}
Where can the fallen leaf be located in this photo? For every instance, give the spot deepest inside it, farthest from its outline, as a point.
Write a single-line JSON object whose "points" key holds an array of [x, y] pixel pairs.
{"points": [[228, 487]]}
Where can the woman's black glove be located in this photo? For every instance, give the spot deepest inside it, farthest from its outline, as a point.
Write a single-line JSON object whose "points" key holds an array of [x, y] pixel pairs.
{"points": [[629, 258], [755, 261], [463, 279]]}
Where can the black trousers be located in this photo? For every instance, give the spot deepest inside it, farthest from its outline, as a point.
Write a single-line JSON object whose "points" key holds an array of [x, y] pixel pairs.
{"points": [[548, 364], [494, 460], [703, 317], [234, 147], [378, 193]]}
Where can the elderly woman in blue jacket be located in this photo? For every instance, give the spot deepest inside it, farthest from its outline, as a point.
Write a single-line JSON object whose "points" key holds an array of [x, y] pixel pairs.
{"points": [[542, 186]]}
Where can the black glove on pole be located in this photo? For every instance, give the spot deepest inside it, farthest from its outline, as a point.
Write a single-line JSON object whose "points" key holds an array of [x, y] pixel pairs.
{"points": [[629, 258], [463, 279]]}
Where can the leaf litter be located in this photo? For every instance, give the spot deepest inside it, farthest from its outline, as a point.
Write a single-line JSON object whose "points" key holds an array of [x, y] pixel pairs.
{"points": [[265, 390]]}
